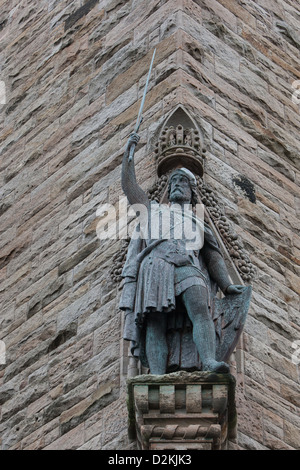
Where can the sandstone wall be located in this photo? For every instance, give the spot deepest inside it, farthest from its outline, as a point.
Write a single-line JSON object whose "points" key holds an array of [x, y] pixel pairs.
{"points": [[74, 72]]}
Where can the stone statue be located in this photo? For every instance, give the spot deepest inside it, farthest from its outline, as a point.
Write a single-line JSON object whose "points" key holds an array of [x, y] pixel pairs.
{"points": [[170, 286]]}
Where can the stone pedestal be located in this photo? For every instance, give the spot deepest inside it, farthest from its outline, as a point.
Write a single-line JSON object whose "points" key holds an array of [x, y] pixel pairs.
{"points": [[182, 411]]}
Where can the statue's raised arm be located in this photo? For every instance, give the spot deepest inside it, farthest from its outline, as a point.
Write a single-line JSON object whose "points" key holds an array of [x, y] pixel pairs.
{"points": [[132, 190]]}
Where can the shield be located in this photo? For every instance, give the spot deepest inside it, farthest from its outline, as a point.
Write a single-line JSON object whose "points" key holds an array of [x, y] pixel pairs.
{"points": [[229, 317]]}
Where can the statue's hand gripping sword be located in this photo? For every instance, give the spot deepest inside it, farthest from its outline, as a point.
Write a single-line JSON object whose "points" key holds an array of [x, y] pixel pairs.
{"points": [[140, 118]]}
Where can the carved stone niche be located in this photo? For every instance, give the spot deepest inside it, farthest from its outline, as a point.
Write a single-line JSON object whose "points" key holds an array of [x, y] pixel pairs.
{"points": [[182, 411], [180, 143]]}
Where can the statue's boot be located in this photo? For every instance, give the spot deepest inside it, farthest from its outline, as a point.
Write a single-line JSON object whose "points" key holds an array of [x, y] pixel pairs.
{"points": [[215, 366]]}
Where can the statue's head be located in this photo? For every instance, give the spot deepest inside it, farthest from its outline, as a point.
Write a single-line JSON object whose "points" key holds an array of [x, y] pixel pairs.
{"points": [[182, 187]]}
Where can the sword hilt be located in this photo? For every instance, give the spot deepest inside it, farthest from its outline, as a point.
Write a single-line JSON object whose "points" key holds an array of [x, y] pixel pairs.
{"points": [[131, 152], [133, 145]]}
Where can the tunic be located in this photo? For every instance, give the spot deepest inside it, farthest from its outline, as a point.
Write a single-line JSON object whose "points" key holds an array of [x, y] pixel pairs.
{"points": [[172, 264], [160, 266]]}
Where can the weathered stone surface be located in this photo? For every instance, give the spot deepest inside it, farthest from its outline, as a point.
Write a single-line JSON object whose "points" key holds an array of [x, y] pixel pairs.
{"points": [[74, 73], [69, 441]]}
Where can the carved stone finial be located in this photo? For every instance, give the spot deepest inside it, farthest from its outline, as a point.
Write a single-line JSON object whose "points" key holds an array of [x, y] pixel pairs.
{"points": [[179, 146]]}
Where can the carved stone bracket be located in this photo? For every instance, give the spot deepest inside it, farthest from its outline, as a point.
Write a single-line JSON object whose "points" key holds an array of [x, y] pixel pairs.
{"points": [[182, 411]]}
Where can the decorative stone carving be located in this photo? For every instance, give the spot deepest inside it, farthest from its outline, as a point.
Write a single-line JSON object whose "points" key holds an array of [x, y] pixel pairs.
{"points": [[178, 146], [118, 261], [182, 411]]}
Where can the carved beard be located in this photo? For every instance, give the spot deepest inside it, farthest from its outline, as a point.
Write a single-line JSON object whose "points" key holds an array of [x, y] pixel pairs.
{"points": [[180, 195]]}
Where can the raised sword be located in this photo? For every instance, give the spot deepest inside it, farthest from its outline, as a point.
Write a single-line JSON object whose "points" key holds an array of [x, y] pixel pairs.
{"points": [[140, 117]]}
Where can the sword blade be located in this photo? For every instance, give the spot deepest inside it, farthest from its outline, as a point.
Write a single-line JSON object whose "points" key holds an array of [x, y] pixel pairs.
{"points": [[140, 118]]}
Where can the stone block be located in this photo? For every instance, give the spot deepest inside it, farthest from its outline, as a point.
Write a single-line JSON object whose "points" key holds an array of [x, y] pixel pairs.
{"points": [[235, 132], [166, 13], [125, 27], [274, 443], [140, 68], [291, 434], [241, 11], [40, 438], [248, 443], [284, 60], [89, 301], [69, 441], [114, 427], [107, 334]]}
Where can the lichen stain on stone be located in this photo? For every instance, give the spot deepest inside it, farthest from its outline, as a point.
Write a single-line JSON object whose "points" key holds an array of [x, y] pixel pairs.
{"points": [[246, 186]]}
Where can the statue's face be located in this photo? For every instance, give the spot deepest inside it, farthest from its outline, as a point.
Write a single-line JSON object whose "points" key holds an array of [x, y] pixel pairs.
{"points": [[180, 189]]}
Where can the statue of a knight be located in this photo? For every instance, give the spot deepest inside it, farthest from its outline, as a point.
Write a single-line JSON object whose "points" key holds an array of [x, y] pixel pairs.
{"points": [[171, 275]]}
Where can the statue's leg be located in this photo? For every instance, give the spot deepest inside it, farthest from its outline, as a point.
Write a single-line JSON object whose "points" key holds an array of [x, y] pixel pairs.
{"points": [[156, 342], [204, 335]]}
